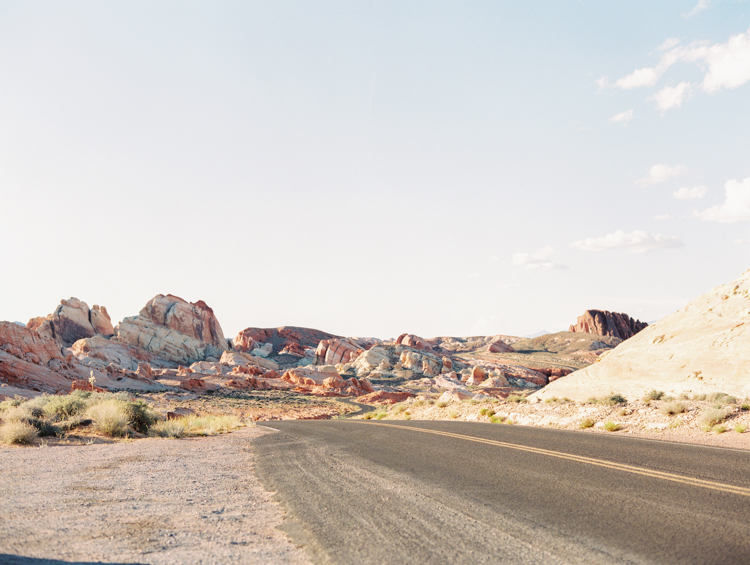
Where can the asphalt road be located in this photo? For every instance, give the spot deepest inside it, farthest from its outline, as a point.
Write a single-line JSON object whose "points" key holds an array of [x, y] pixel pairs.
{"points": [[459, 492]]}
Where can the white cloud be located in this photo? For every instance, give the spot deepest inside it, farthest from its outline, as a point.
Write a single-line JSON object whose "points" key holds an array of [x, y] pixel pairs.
{"points": [[622, 117], [635, 242], [726, 65], [669, 44], [699, 7], [686, 193], [601, 82], [660, 173], [738, 242], [640, 77], [672, 96], [542, 259], [736, 207]]}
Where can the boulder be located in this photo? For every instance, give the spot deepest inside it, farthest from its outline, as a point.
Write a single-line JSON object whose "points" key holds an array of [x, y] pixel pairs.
{"points": [[478, 375], [499, 346], [384, 397], [100, 320], [99, 352], [606, 323]]}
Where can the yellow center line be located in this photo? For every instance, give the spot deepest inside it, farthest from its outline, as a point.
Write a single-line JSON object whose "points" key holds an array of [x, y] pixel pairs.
{"points": [[588, 460]]}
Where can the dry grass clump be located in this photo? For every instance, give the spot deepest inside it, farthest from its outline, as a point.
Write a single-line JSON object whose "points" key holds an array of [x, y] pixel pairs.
{"points": [[672, 408], [516, 398], [611, 426], [712, 417], [110, 417], [442, 403], [169, 428], [586, 423], [17, 431]]}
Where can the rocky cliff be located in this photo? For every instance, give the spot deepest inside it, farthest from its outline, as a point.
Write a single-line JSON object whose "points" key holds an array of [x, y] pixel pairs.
{"points": [[606, 323]]}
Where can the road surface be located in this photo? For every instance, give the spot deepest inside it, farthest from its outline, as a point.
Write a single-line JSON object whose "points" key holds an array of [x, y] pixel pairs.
{"points": [[461, 492]]}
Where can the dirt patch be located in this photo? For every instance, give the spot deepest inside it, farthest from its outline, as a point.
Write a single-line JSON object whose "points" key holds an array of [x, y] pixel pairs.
{"points": [[638, 418], [156, 501]]}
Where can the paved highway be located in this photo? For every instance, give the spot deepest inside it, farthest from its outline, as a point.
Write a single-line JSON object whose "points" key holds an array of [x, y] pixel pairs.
{"points": [[460, 492]]}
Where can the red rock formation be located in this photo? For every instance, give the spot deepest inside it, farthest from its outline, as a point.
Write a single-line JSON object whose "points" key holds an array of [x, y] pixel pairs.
{"points": [[82, 384], [335, 351], [73, 320], [194, 319], [603, 322], [416, 342], [499, 346], [326, 382], [289, 339]]}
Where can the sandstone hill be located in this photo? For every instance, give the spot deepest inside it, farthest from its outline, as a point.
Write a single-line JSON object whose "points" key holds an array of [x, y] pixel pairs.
{"points": [[606, 323], [702, 348]]}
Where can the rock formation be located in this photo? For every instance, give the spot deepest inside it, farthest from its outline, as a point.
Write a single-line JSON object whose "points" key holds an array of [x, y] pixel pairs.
{"points": [[175, 330], [335, 351], [73, 320], [612, 324], [286, 340], [702, 348], [410, 340]]}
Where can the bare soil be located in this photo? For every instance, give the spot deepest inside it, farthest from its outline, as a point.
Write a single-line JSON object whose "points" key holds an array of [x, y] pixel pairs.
{"points": [[638, 418], [156, 501]]}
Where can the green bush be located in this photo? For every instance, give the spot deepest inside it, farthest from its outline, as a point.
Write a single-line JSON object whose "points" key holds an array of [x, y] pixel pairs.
{"points": [[64, 407], [615, 398], [611, 426], [654, 395]]}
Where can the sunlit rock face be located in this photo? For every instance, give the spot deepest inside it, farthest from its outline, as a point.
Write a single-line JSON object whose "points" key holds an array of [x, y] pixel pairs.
{"points": [[612, 324], [702, 348]]}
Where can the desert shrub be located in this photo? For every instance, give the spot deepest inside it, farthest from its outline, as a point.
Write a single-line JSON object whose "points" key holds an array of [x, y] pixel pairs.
{"points": [[676, 423], [381, 415], [720, 429], [721, 398], [712, 417], [369, 416], [586, 423], [496, 419], [169, 428], [740, 428], [398, 408], [516, 398], [611, 426], [10, 403], [442, 403], [654, 395], [110, 417], [672, 408], [140, 415], [699, 397], [72, 423], [684, 396], [407, 416], [17, 431], [745, 407], [592, 400], [614, 398], [64, 407], [453, 414]]}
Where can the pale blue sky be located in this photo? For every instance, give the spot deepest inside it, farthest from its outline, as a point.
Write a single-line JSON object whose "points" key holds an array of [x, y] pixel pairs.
{"points": [[372, 168]]}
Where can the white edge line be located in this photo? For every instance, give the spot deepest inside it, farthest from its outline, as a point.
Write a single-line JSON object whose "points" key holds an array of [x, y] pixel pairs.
{"points": [[267, 427]]}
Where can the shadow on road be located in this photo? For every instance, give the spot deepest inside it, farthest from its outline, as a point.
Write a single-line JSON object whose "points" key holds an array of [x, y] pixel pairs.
{"points": [[6, 559]]}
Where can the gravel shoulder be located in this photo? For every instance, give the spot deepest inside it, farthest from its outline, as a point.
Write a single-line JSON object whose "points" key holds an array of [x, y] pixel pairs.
{"points": [[156, 501]]}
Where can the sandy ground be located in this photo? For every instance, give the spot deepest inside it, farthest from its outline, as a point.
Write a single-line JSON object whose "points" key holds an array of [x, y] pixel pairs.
{"points": [[638, 418], [155, 501]]}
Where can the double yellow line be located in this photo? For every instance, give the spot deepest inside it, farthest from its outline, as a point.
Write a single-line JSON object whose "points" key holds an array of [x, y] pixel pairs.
{"points": [[588, 460]]}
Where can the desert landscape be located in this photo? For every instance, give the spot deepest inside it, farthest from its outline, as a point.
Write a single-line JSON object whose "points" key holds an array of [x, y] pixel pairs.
{"points": [[388, 283]]}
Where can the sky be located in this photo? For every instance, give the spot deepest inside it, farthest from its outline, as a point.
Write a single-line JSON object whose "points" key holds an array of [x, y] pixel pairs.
{"points": [[374, 168]]}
